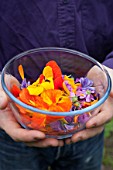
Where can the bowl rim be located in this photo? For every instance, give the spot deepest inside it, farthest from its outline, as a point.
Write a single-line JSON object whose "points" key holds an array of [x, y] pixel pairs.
{"points": [[71, 113]]}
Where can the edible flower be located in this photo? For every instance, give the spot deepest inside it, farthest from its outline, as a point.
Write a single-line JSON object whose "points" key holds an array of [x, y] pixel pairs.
{"points": [[53, 91]]}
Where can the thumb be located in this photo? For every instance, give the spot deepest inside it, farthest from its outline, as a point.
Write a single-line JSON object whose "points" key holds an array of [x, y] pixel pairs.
{"points": [[110, 71], [9, 81], [3, 100]]}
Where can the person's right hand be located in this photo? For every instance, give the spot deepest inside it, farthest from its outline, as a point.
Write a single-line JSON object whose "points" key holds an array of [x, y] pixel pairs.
{"points": [[9, 124]]}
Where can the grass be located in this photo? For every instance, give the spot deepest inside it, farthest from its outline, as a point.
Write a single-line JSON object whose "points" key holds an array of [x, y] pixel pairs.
{"points": [[108, 146], [108, 129]]}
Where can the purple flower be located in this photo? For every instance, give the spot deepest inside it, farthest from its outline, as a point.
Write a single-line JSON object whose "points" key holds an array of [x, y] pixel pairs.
{"points": [[86, 83], [85, 94], [81, 93], [89, 96], [57, 125], [24, 83], [68, 127], [69, 119], [62, 125], [72, 94], [83, 118]]}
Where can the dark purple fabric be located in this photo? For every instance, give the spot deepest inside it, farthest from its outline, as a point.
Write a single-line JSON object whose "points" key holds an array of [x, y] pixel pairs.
{"points": [[83, 25]]}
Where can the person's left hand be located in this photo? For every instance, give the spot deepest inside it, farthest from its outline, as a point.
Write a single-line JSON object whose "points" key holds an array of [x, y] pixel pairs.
{"points": [[102, 114], [96, 124], [9, 124]]}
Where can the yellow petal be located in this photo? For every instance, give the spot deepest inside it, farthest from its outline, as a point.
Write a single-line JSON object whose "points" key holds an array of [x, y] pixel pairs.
{"points": [[46, 98], [66, 89], [58, 95], [35, 90], [72, 84], [47, 72], [48, 84], [63, 99], [70, 81]]}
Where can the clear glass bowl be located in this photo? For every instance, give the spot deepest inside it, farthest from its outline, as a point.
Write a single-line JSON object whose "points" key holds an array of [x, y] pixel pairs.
{"points": [[71, 63]]}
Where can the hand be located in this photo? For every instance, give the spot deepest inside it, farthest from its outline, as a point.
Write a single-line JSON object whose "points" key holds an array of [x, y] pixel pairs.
{"points": [[102, 114], [110, 71], [96, 124], [9, 124]]}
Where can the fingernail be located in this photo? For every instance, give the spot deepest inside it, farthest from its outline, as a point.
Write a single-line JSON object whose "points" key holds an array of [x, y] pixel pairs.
{"points": [[3, 100], [36, 139], [79, 139], [94, 125]]}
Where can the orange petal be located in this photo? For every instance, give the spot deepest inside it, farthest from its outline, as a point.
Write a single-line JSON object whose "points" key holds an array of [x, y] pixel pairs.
{"points": [[66, 105], [37, 122], [25, 97], [41, 78], [15, 90], [40, 104], [76, 118], [21, 71], [58, 83], [50, 118]]}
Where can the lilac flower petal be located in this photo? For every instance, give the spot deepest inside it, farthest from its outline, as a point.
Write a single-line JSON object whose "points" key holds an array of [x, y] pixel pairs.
{"points": [[86, 82], [68, 85], [92, 89], [83, 118], [57, 126], [69, 119], [28, 83], [77, 80], [69, 127], [24, 83], [92, 97], [88, 98], [72, 94]]}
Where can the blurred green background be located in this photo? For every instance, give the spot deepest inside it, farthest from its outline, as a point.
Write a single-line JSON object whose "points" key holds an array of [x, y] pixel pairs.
{"points": [[108, 147]]}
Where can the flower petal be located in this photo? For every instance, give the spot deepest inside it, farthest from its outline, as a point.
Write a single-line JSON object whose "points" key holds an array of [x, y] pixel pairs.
{"points": [[21, 71]]}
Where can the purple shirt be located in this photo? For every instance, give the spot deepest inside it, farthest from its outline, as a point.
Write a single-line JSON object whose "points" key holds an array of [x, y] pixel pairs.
{"points": [[83, 25]]}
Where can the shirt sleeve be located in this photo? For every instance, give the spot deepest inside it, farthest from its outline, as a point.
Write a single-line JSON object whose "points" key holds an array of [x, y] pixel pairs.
{"points": [[109, 60]]}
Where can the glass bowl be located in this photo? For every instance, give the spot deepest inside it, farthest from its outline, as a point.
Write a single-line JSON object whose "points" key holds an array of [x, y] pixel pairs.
{"points": [[58, 124]]}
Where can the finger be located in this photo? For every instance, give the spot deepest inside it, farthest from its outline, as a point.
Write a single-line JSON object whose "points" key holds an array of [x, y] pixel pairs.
{"points": [[9, 80], [45, 143], [13, 129], [19, 134], [99, 119], [68, 141], [3, 100], [23, 135], [110, 71], [87, 133]]}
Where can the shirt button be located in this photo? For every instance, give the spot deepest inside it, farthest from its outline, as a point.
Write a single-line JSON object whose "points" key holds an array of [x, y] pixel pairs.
{"points": [[65, 1]]}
